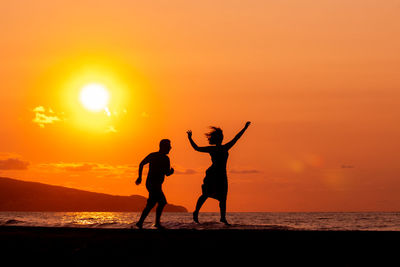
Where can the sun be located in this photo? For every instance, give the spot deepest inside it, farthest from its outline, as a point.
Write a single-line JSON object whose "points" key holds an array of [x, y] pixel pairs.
{"points": [[94, 97]]}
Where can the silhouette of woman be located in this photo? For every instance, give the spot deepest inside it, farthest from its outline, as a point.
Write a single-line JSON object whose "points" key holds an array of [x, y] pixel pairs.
{"points": [[215, 184]]}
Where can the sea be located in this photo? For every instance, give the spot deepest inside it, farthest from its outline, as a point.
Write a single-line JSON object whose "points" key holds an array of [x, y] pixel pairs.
{"points": [[322, 221]]}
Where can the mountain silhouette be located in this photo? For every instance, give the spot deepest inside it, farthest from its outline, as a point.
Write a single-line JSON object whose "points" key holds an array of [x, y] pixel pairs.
{"points": [[16, 195]]}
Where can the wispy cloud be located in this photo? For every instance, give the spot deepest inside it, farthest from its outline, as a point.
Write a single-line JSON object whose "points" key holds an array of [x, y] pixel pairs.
{"points": [[185, 172], [244, 171], [39, 109], [111, 129], [13, 164], [79, 167], [43, 116], [86, 167]]}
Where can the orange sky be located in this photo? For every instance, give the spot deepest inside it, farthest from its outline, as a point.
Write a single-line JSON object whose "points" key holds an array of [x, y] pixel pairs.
{"points": [[320, 81]]}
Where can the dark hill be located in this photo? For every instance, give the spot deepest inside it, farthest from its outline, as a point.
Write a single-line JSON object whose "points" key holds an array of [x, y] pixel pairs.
{"points": [[16, 195]]}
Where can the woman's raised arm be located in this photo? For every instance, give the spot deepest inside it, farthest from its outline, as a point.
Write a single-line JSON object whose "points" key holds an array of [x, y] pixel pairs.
{"points": [[231, 143], [206, 149]]}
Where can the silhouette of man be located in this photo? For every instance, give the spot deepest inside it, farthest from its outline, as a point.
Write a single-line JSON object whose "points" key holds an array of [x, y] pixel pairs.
{"points": [[159, 166]]}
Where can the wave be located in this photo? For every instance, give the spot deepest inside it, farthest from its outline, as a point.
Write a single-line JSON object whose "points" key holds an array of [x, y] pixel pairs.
{"points": [[106, 225], [11, 222], [209, 221], [214, 225]]}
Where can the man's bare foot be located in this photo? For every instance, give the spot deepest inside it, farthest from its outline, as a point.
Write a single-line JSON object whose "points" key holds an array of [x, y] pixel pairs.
{"points": [[139, 225]]}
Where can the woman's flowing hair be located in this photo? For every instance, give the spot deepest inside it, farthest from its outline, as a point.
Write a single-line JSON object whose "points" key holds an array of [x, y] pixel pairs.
{"points": [[215, 136]]}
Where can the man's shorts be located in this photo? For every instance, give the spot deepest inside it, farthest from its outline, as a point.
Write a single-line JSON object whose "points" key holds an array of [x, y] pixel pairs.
{"points": [[156, 196]]}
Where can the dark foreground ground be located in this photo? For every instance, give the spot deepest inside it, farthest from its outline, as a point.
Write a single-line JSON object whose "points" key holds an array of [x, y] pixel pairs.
{"points": [[36, 246]]}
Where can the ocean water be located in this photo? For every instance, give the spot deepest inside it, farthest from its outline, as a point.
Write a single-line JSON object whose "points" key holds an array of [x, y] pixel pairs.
{"points": [[366, 221]]}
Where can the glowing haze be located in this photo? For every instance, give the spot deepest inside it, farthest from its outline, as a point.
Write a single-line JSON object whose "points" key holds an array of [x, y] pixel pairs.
{"points": [[89, 88]]}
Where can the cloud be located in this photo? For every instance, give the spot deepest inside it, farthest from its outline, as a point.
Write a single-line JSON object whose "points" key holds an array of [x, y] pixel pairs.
{"points": [[69, 167], [42, 117], [249, 171], [80, 167], [111, 129], [185, 172], [39, 109], [13, 164], [87, 167]]}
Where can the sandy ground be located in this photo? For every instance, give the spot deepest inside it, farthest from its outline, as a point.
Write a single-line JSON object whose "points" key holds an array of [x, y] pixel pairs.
{"points": [[132, 247]]}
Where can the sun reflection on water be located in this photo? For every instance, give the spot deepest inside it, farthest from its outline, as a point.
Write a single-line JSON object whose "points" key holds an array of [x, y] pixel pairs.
{"points": [[92, 219]]}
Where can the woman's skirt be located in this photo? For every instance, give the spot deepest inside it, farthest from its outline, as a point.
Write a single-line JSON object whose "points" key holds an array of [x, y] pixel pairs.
{"points": [[215, 184]]}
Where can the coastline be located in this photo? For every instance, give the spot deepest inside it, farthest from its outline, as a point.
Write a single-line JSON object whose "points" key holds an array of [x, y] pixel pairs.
{"points": [[186, 247]]}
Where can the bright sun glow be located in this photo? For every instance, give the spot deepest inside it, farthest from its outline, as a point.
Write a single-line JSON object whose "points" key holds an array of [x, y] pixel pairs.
{"points": [[94, 97]]}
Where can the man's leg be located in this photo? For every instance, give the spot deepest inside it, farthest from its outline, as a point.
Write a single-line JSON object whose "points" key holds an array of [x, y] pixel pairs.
{"points": [[161, 204], [149, 206]]}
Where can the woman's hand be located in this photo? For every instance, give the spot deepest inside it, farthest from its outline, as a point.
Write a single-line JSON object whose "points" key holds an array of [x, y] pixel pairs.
{"points": [[138, 181], [189, 133], [247, 124]]}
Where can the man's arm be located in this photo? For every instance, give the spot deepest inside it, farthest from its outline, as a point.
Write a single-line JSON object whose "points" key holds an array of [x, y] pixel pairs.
{"points": [[141, 165], [170, 170]]}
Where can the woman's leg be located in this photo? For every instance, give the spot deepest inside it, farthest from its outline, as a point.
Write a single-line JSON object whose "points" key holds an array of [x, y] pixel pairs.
{"points": [[222, 208], [200, 203]]}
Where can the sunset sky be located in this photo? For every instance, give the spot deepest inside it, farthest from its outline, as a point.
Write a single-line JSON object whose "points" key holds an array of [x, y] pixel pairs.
{"points": [[319, 80]]}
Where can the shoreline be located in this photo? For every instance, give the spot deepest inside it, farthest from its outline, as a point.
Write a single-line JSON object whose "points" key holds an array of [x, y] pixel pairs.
{"points": [[152, 247]]}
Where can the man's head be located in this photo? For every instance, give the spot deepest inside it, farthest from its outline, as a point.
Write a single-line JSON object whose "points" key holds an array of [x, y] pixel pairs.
{"points": [[165, 146]]}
